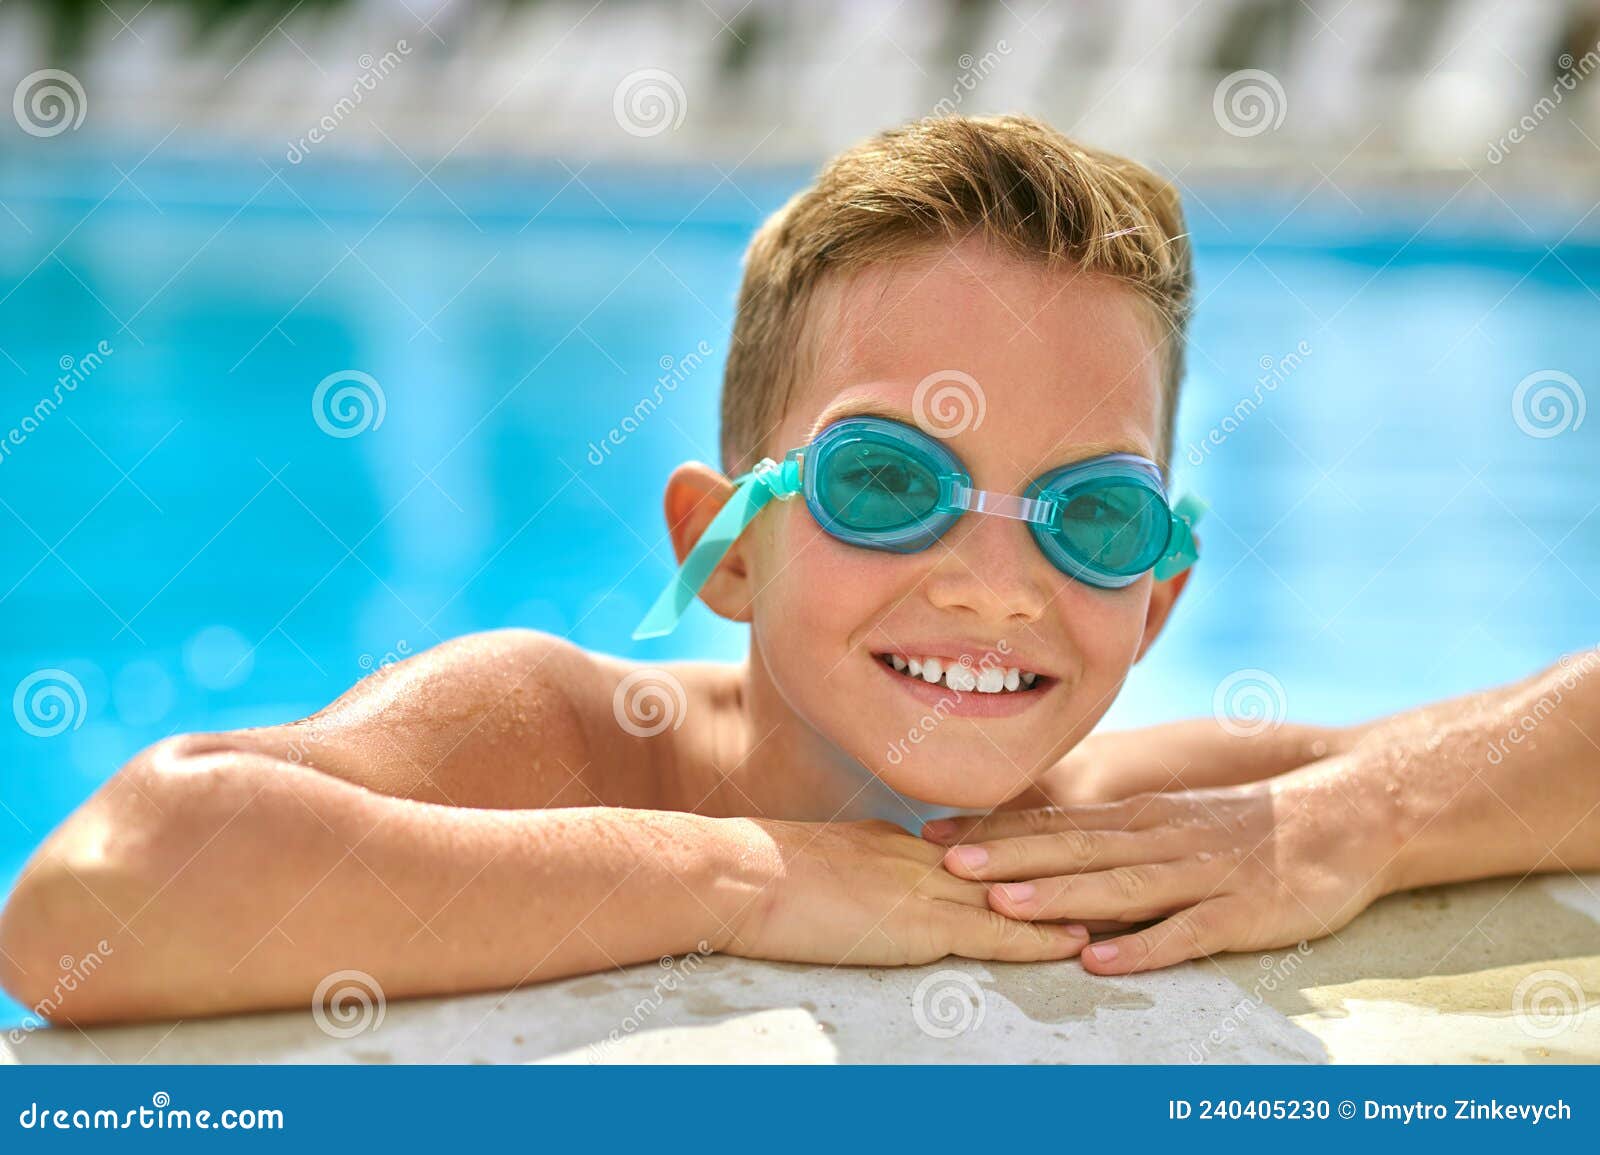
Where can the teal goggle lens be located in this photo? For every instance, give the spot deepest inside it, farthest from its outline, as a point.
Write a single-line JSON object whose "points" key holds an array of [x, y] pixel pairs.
{"points": [[1107, 531], [884, 486], [871, 486]]}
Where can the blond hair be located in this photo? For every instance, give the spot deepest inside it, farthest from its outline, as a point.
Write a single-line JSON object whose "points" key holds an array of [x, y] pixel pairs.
{"points": [[1012, 179]]}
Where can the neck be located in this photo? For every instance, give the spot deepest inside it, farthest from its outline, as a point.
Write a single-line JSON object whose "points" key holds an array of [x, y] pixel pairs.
{"points": [[774, 763]]}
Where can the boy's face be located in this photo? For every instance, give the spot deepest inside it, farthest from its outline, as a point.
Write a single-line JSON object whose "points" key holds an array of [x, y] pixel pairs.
{"points": [[1064, 366]]}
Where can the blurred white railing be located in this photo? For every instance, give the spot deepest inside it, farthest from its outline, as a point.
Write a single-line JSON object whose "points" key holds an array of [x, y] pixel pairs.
{"points": [[1368, 86]]}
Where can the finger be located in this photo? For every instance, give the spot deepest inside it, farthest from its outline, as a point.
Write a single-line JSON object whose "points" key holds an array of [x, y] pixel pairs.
{"points": [[1124, 893], [940, 883], [1065, 852], [982, 934], [1133, 813], [1193, 932]]}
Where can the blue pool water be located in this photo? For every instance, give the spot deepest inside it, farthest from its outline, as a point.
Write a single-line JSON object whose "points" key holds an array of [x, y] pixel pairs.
{"points": [[185, 541]]}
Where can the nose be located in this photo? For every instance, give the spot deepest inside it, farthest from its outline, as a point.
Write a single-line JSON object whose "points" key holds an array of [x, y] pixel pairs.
{"points": [[992, 567]]}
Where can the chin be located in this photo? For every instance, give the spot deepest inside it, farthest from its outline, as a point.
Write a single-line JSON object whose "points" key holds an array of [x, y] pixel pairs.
{"points": [[941, 779]]}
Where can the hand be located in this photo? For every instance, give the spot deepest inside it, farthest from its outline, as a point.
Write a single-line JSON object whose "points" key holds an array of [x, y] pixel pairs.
{"points": [[1248, 867], [868, 893]]}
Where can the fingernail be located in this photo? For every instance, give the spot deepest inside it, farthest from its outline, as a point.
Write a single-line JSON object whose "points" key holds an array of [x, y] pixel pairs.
{"points": [[971, 857], [1104, 951], [1017, 892], [1077, 931], [939, 831]]}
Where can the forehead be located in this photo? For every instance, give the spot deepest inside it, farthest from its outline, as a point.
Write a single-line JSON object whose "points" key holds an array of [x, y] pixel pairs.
{"points": [[1022, 366]]}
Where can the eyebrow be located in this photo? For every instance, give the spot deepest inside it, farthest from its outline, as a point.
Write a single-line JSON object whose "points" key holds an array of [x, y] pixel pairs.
{"points": [[873, 407]]}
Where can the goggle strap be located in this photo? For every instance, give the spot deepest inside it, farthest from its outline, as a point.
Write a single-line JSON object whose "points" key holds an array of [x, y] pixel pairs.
{"points": [[751, 493], [1184, 553]]}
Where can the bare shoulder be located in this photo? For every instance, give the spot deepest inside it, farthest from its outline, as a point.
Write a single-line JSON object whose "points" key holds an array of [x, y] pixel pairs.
{"points": [[506, 719]]}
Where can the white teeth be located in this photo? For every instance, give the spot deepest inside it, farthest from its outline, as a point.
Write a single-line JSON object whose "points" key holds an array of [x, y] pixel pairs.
{"points": [[962, 677]]}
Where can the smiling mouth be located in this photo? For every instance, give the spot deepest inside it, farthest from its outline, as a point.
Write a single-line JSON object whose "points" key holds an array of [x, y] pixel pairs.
{"points": [[966, 677]]}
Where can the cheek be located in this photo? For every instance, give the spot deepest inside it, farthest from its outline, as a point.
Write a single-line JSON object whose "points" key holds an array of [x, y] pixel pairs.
{"points": [[813, 592], [1105, 627]]}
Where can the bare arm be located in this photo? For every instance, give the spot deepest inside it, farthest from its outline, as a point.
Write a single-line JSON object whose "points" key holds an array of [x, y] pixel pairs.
{"points": [[237, 871], [1504, 782], [1200, 752]]}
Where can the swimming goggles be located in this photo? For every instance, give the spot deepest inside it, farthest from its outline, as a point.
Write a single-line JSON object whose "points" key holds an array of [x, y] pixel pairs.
{"points": [[885, 485]]}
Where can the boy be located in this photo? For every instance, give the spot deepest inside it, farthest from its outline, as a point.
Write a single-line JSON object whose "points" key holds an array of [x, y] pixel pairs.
{"points": [[972, 333]]}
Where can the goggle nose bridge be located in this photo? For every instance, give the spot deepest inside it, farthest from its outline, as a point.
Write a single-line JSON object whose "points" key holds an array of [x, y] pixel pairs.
{"points": [[955, 497]]}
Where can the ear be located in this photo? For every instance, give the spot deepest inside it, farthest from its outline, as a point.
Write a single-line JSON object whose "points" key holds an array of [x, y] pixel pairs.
{"points": [[1163, 596], [695, 493]]}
